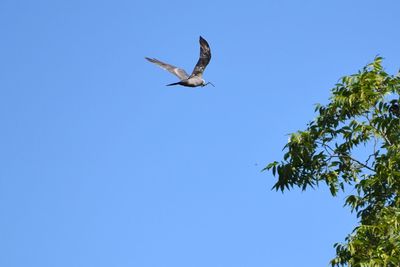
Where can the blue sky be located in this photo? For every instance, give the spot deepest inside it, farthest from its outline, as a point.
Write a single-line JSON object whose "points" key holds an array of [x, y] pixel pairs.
{"points": [[102, 165]]}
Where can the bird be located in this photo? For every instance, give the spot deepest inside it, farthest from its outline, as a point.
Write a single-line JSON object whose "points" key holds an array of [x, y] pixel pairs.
{"points": [[394, 108], [196, 78]]}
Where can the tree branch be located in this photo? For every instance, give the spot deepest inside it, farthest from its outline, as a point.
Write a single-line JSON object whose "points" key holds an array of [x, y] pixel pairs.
{"points": [[335, 155]]}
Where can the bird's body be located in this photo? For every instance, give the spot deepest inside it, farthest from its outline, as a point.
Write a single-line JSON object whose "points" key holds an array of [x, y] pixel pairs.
{"points": [[196, 78], [190, 82]]}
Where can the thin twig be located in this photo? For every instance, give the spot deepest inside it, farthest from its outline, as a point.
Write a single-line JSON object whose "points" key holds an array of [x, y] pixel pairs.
{"points": [[343, 155]]}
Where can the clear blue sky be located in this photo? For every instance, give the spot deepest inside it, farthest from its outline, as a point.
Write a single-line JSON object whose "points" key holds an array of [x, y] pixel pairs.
{"points": [[103, 165]]}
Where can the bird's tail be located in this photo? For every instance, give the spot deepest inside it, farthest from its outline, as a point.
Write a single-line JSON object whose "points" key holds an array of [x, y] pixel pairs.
{"points": [[173, 84]]}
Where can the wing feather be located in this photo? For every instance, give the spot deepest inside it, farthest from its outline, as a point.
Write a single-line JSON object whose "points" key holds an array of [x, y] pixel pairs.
{"points": [[180, 73], [204, 59]]}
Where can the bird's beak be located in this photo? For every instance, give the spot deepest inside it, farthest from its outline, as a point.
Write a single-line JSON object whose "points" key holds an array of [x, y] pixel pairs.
{"points": [[208, 84]]}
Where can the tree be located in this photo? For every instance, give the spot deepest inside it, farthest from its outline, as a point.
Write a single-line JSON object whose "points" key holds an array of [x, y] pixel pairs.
{"points": [[354, 143]]}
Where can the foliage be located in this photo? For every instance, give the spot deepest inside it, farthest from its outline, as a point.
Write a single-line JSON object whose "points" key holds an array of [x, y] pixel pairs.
{"points": [[354, 142]]}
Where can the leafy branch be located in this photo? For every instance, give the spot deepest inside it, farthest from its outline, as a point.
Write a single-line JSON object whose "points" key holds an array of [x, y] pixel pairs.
{"points": [[363, 111]]}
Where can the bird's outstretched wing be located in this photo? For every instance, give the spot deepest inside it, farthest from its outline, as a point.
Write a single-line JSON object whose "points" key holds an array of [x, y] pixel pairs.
{"points": [[205, 57], [180, 73]]}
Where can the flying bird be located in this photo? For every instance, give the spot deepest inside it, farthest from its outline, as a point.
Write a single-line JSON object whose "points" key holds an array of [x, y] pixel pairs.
{"points": [[196, 78]]}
